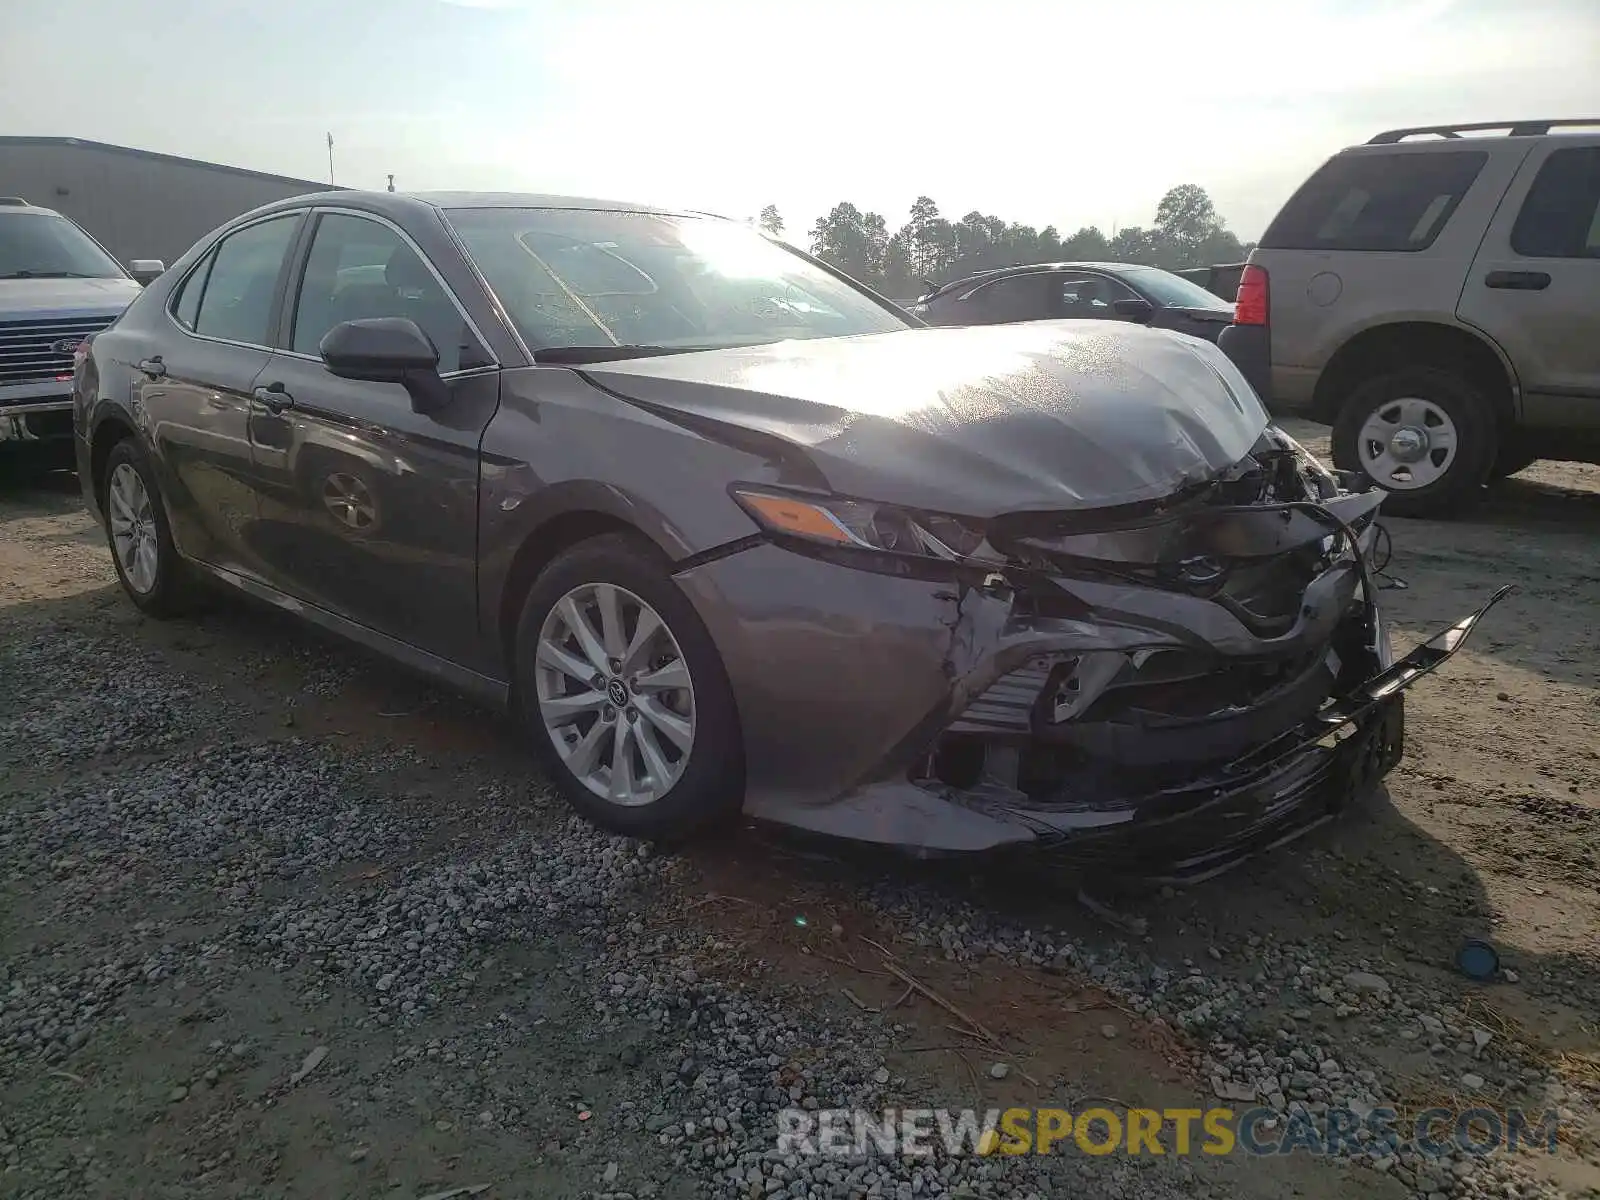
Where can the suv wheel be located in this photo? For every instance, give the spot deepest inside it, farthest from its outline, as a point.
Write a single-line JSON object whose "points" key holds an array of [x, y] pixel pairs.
{"points": [[1423, 434], [623, 691], [140, 537]]}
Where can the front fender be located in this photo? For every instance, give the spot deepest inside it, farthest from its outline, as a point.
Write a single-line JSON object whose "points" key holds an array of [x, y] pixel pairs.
{"points": [[559, 449]]}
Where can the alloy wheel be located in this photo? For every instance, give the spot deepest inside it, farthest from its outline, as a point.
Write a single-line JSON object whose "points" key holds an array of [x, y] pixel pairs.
{"points": [[615, 694], [133, 528]]}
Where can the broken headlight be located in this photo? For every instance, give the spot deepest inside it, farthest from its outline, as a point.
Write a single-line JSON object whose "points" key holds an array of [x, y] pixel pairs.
{"points": [[864, 525]]}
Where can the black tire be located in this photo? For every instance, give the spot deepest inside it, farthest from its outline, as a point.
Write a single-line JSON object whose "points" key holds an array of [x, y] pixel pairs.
{"points": [[175, 591], [711, 788], [1477, 439], [1511, 459]]}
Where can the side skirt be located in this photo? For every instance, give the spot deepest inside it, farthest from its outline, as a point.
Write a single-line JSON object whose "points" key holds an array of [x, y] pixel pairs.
{"points": [[493, 692]]}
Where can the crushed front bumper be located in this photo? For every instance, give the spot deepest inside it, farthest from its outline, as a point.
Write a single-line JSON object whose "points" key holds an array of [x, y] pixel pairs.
{"points": [[845, 680]]}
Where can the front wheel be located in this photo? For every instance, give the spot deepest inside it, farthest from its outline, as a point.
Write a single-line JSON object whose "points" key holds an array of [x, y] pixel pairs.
{"points": [[624, 692], [1424, 435]]}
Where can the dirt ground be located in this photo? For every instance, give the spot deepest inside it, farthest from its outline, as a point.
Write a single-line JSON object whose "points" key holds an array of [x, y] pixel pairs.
{"points": [[1490, 828]]}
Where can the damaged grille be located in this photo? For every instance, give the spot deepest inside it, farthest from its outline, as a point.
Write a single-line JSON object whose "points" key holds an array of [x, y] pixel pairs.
{"points": [[1260, 543], [1179, 684]]}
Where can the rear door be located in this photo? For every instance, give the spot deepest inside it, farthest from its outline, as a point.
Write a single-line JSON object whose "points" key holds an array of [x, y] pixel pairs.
{"points": [[194, 384], [1032, 296], [369, 508], [1535, 285]]}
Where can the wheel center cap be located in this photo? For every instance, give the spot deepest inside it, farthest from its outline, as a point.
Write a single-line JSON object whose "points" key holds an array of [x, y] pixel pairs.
{"points": [[617, 692], [1408, 444]]}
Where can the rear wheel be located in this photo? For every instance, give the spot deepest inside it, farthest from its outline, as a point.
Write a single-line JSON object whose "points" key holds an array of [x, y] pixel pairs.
{"points": [[623, 690], [142, 551], [1422, 434]]}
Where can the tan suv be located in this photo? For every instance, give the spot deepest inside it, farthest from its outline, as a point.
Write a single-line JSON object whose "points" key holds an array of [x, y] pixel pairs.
{"points": [[1434, 295]]}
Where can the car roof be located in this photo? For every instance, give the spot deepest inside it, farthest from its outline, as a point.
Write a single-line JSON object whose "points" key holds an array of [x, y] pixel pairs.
{"points": [[1479, 131], [6, 206], [395, 204], [1110, 268]]}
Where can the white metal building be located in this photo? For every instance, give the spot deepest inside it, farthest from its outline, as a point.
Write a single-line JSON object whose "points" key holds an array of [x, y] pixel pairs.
{"points": [[137, 203]]}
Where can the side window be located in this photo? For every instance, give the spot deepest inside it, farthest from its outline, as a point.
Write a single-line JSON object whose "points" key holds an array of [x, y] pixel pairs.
{"points": [[1399, 201], [360, 268], [186, 304], [237, 300], [1091, 296], [1561, 216], [1016, 298]]}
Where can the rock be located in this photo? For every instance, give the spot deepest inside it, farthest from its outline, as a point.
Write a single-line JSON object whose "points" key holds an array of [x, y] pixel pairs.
{"points": [[999, 1071], [1232, 1089], [881, 1075], [609, 1175], [1108, 1031], [1472, 1083], [178, 1093], [1365, 981]]}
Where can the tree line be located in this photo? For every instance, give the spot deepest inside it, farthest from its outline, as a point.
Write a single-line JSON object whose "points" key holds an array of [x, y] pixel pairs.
{"points": [[1187, 232]]}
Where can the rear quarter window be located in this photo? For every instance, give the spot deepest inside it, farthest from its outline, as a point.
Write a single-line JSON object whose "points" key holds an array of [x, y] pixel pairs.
{"points": [[1561, 216], [1398, 201]]}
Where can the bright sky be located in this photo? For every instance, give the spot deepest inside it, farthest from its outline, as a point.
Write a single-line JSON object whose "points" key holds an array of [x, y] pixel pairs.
{"points": [[1042, 111]]}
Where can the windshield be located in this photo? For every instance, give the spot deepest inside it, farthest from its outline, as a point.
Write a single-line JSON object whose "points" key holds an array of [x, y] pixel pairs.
{"points": [[45, 246], [582, 277], [1173, 291]]}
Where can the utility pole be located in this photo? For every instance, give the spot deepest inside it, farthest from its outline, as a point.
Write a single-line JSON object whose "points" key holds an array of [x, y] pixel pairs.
{"points": [[330, 160]]}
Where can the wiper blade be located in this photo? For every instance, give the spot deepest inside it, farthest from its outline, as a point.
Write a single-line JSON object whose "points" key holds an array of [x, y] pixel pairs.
{"points": [[596, 354], [27, 274]]}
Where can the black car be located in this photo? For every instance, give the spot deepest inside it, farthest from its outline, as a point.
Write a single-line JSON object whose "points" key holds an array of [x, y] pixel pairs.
{"points": [[1221, 279], [1078, 291]]}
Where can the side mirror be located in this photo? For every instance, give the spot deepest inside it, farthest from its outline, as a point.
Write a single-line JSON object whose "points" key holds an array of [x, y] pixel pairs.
{"points": [[1134, 310], [146, 270], [387, 350]]}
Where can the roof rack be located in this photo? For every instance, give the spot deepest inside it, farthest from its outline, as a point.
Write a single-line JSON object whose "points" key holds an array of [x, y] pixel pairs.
{"points": [[14, 202], [1513, 128]]}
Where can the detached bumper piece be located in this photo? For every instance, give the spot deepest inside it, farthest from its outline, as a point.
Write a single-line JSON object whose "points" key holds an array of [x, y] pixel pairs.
{"points": [[1265, 798]]}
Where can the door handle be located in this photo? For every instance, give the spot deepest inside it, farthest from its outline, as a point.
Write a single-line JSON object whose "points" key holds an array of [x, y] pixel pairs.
{"points": [[153, 367], [1517, 281], [274, 397]]}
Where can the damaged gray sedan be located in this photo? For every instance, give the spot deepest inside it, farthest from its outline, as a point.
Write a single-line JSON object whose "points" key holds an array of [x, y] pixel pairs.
{"points": [[730, 533]]}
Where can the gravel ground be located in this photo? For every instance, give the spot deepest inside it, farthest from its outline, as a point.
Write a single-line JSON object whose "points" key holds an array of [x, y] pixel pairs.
{"points": [[279, 922]]}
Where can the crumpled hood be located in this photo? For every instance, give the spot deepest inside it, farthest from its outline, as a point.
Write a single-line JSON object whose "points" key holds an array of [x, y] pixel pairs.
{"points": [[978, 421], [48, 298]]}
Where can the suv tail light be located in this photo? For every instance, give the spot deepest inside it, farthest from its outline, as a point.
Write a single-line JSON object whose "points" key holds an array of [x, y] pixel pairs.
{"points": [[1251, 304]]}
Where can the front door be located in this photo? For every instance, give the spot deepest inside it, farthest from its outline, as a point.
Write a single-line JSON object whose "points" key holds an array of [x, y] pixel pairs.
{"points": [[368, 508], [1535, 285], [194, 389], [1090, 296]]}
